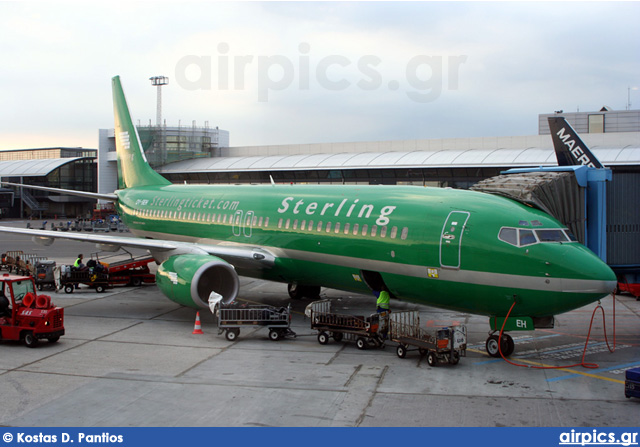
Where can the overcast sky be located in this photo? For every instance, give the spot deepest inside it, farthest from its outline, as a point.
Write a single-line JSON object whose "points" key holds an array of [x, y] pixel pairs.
{"points": [[283, 73]]}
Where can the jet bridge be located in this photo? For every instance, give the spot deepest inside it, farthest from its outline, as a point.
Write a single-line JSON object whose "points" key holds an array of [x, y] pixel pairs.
{"points": [[575, 195]]}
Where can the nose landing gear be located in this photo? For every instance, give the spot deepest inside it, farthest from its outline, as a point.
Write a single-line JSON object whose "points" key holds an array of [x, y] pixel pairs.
{"points": [[506, 345]]}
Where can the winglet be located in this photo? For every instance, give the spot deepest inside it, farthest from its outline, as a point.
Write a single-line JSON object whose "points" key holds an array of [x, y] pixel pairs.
{"points": [[133, 168], [570, 149]]}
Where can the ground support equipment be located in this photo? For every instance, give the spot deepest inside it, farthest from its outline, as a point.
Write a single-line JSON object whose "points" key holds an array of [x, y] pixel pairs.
{"points": [[447, 344], [365, 331], [26, 316], [101, 275], [231, 317], [632, 383]]}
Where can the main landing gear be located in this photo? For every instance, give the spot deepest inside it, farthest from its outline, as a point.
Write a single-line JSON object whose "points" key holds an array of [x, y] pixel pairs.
{"points": [[506, 345], [298, 291]]}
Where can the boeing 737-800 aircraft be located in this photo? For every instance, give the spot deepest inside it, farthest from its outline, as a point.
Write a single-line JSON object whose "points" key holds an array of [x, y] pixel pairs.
{"points": [[455, 249]]}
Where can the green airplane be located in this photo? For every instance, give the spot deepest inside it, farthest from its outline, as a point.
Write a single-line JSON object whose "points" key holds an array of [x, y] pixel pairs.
{"points": [[454, 249]]}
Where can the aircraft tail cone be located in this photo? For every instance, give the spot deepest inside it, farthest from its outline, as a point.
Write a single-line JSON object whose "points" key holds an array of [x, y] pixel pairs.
{"points": [[197, 328]]}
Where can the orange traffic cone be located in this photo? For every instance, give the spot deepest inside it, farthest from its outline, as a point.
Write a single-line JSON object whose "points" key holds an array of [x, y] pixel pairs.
{"points": [[197, 329]]}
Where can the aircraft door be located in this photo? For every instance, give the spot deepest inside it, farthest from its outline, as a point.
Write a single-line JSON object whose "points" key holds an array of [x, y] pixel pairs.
{"points": [[451, 239]]}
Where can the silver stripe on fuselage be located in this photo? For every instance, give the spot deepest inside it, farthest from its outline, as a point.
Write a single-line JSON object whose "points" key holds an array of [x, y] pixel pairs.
{"points": [[546, 284]]}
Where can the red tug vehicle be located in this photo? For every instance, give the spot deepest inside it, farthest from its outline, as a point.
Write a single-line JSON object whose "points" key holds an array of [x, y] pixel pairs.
{"points": [[26, 316]]}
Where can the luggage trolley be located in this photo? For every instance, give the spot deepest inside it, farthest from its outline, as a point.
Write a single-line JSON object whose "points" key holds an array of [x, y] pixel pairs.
{"points": [[233, 316], [365, 332], [448, 344]]}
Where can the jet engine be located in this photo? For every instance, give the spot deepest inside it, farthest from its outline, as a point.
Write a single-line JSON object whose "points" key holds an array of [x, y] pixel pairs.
{"points": [[189, 279]]}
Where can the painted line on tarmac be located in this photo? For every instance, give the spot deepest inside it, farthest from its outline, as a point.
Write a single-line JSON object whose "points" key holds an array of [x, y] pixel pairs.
{"points": [[559, 368], [613, 368]]}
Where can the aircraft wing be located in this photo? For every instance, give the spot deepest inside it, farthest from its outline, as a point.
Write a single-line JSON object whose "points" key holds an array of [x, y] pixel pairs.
{"points": [[238, 255]]}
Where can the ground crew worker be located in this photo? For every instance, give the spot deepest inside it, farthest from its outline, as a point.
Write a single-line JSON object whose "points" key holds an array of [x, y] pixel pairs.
{"points": [[78, 264], [382, 305]]}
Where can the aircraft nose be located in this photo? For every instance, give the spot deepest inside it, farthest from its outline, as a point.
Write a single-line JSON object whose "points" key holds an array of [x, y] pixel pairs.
{"points": [[588, 274]]}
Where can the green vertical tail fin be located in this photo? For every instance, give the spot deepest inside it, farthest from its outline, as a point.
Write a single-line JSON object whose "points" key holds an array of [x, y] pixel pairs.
{"points": [[133, 167]]}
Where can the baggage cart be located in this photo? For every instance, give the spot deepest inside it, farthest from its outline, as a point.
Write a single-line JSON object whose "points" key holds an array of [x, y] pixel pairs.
{"points": [[233, 316], [365, 331], [446, 344], [44, 274]]}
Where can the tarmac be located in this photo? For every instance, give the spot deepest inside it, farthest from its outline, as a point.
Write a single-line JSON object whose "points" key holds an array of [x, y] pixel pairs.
{"points": [[129, 359]]}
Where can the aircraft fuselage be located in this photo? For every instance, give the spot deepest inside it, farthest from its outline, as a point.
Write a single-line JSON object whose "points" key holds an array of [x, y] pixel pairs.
{"points": [[448, 248]]}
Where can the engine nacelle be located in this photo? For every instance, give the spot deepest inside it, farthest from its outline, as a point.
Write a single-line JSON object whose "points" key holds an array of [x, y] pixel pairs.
{"points": [[190, 279]]}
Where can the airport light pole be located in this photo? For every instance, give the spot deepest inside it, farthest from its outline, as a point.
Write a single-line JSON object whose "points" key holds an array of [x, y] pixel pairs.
{"points": [[159, 81]]}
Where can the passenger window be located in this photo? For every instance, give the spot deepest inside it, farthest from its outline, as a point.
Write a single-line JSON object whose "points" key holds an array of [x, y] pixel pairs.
{"points": [[346, 228], [319, 228], [405, 233], [337, 228], [328, 227], [279, 223], [365, 229], [509, 235], [527, 238], [383, 232], [266, 222], [356, 227], [551, 236], [394, 232], [374, 230]]}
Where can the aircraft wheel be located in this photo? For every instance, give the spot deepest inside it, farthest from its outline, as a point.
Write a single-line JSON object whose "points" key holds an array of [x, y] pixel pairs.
{"points": [[298, 291], [507, 345], [274, 335], [361, 343], [510, 345], [401, 351], [492, 346], [323, 338], [432, 360], [30, 340], [311, 292], [295, 291]]}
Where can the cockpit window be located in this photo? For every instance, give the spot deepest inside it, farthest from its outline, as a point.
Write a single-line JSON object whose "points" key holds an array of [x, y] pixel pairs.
{"points": [[509, 235], [551, 236], [527, 238], [521, 237]]}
